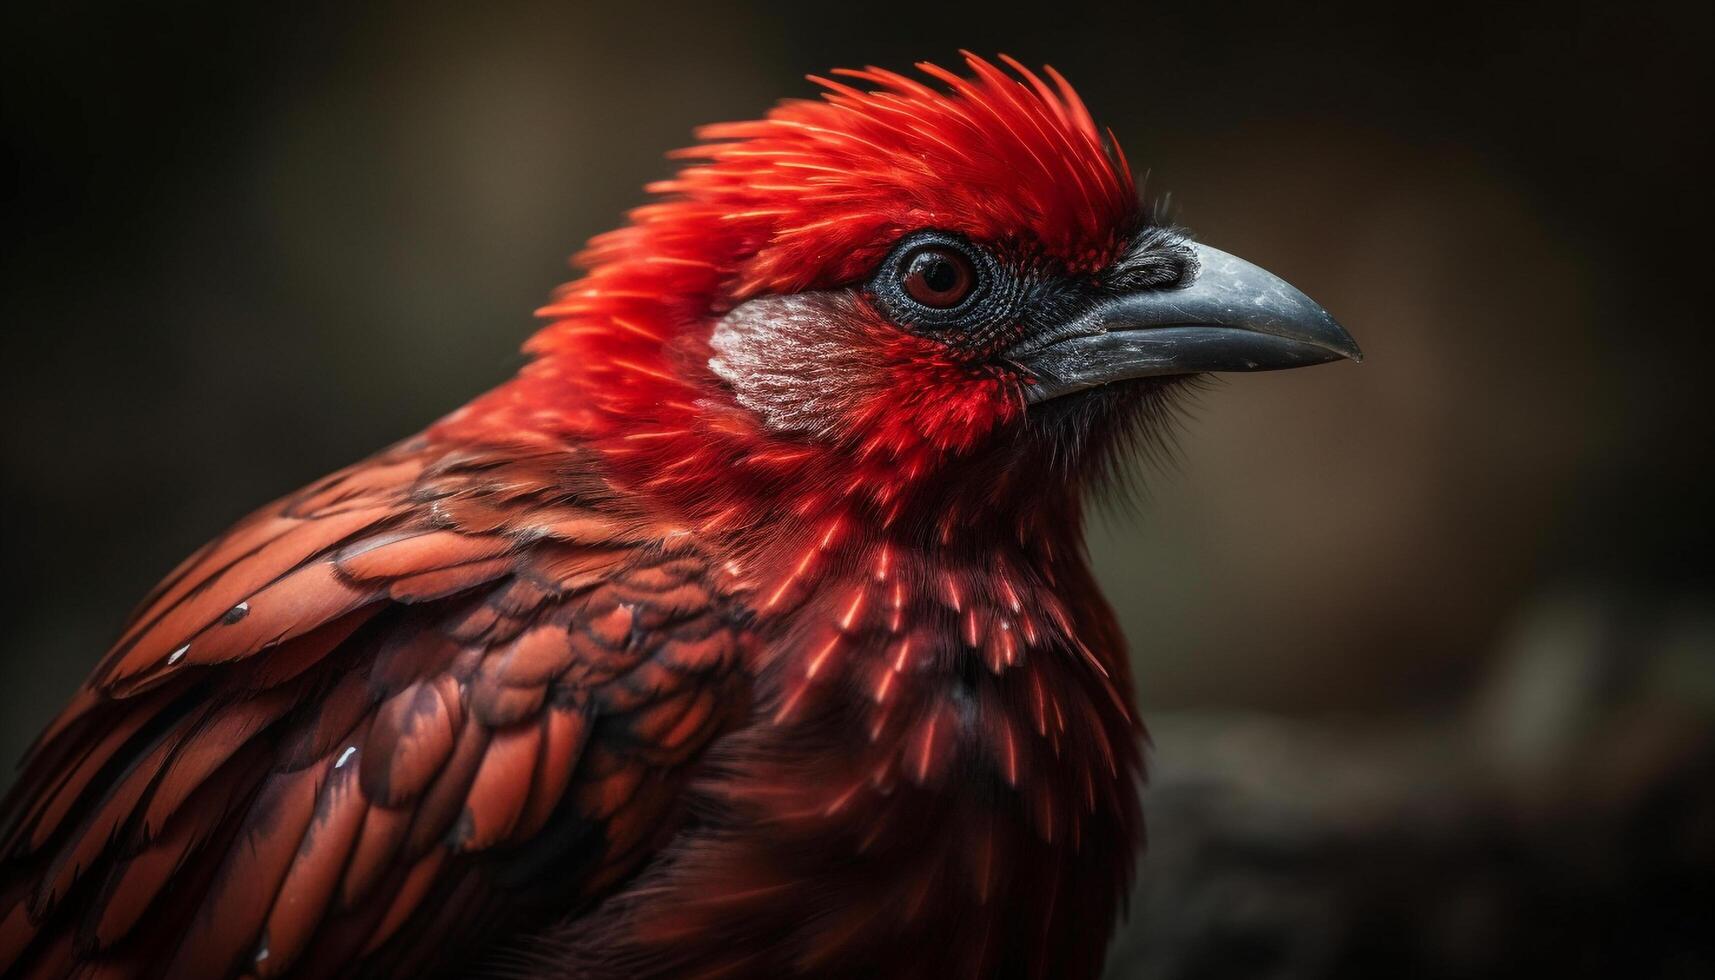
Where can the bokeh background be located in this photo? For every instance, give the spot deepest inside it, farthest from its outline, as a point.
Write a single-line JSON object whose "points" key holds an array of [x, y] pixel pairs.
{"points": [[1427, 645]]}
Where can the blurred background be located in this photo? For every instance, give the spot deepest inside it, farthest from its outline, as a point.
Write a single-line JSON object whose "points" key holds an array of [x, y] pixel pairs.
{"points": [[1427, 646]]}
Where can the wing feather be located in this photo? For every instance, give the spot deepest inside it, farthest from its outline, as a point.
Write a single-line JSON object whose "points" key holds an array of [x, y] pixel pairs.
{"points": [[438, 691]]}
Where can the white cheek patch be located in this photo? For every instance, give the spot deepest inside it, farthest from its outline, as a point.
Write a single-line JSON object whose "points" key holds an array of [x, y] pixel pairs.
{"points": [[790, 359]]}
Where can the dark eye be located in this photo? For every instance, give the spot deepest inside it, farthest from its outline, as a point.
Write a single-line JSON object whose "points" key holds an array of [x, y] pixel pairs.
{"points": [[939, 283], [939, 278]]}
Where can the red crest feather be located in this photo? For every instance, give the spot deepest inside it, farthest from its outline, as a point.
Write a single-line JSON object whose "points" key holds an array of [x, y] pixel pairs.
{"points": [[811, 194]]}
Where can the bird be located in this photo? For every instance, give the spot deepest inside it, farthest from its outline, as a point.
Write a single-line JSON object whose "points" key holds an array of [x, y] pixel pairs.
{"points": [[747, 631]]}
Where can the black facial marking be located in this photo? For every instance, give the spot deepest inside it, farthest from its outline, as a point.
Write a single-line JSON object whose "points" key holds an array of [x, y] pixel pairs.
{"points": [[1157, 259], [945, 286]]}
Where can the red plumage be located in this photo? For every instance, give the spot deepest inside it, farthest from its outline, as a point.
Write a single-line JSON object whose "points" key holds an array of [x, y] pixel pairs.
{"points": [[746, 633]]}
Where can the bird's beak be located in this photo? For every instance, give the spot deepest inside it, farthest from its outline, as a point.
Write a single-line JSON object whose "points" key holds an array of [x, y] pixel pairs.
{"points": [[1231, 316]]}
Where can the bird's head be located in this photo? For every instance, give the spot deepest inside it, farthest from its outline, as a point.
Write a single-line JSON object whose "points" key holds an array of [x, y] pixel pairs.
{"points": [[859, 296]]}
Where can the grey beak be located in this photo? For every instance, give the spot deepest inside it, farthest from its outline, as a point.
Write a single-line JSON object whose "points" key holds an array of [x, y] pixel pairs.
{"points": [[1233, 316]]}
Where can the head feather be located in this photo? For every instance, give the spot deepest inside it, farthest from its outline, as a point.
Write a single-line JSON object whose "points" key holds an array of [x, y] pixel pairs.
{"points": [[811, 197], [812, 194]]}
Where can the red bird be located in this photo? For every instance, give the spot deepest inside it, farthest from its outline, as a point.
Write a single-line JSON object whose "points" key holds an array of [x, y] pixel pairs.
{"points": [[747, 632]]}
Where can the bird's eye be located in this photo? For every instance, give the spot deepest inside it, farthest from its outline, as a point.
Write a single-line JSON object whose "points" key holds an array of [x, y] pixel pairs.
{"points": [[939, 278], [938, 283]]}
